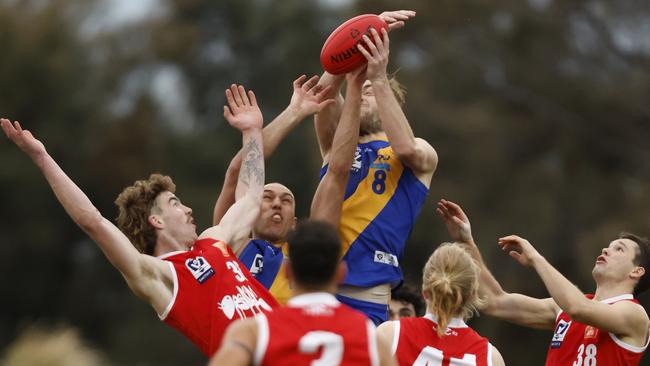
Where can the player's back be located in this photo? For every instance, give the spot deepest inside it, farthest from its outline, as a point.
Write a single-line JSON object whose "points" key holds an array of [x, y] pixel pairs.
{"points": [[418, 343], [315, 329]]}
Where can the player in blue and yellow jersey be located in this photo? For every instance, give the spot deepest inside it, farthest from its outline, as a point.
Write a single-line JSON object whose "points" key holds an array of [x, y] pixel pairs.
{"points": [[389, 180]]}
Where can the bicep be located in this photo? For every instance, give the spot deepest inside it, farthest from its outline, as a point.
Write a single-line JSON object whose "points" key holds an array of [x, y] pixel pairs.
{"points": [[525, 310]]}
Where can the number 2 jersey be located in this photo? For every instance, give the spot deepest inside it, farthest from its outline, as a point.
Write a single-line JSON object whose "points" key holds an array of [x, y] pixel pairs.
{"points": [[382, 200], [211, 290], [315, 329], [415, 342], [578, 344]]}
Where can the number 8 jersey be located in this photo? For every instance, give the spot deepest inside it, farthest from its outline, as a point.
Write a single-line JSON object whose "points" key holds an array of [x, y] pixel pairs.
{"points": [[315, 329], [578, 344], [382, 200]]}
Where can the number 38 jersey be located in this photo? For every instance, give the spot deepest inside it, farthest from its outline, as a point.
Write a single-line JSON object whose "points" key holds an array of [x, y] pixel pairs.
{"points": [[382, 200], [211, 290], [415, 342], [315, 329], [577, 344]]}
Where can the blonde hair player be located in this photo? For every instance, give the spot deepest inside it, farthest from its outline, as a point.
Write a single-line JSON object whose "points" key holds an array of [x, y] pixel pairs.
{"points": [[450, 281]]}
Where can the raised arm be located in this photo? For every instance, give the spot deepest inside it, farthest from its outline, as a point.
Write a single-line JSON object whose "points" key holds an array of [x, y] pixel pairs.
{"points": [[328, 199], [326, 120], [515, 308], [624, 318], [148, 277], [244, 114], [307, 99], [416, 153]]}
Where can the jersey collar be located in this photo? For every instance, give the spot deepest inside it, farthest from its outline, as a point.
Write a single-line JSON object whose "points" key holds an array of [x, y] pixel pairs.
{"points": [[323, 298], [453, 323], [614, 299]]}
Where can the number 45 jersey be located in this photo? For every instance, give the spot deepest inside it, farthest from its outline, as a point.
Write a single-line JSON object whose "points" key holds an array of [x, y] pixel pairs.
{"points": [[382, 200], [415, 342], [315, 329]]}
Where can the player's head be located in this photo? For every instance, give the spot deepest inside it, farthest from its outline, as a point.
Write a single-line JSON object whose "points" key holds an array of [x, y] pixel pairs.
{"points": [[277, 214], [405, 302], [625, 259], [314, 250], [450, 282], [370, 122], [149, 207]]}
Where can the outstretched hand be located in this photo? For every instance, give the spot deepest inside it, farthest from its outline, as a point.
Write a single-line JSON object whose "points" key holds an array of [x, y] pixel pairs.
{"points": [[23, 138], [308, 97], [356, 77], [376, 52], [242, 111], [457, 223], [519, 248], [396, 18]]}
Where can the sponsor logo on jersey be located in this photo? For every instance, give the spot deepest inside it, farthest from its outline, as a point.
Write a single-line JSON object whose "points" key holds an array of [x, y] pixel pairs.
{"points": [[560, 332], [244, 303], [382, 166], [356, 163], [200, 268], [258, 264], [386, 258], [591, 332]]}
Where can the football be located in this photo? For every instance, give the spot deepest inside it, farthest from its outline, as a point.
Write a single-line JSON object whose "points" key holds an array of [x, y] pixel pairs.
{"points": [[340, 54]]}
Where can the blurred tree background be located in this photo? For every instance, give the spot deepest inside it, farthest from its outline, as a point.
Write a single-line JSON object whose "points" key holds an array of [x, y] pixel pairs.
{"points": [[539, 111]]}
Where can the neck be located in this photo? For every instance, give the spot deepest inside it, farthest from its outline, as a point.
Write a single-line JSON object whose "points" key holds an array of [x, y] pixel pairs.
{"points": [[372, 136], [166, 244], [607, 290]]}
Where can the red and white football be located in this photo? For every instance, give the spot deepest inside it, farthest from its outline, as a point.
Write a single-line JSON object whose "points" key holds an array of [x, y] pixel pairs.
{"points": [[340, 54]]}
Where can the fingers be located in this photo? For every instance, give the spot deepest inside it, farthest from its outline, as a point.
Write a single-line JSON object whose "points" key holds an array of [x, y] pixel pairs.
{"points": [[227, 113], [322, 92], [325, 103], [253, 100], [309, 84], [298, 82], [239, 102], [365, 53], [386, 42], [396, 25], [243, 95], [230, 98], [6, 127]]}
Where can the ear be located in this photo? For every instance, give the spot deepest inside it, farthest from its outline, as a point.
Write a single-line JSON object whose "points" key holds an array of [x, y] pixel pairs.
{"points": [[155, 221], [637, 272], [426, 295], [295, 221], [341, 272]]}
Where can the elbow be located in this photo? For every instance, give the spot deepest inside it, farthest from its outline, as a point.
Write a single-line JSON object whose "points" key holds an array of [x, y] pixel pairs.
{"points": [[90, 221], [576, 312]]}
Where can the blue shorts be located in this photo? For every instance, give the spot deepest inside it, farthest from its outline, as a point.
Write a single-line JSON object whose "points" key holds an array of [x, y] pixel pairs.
{"points": [[378, 313]]}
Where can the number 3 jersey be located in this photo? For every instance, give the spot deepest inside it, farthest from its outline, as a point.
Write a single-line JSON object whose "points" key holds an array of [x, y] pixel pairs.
{"points": [[382, 200], [315, 329], [415, 342], [578, 344], [211, 290]]}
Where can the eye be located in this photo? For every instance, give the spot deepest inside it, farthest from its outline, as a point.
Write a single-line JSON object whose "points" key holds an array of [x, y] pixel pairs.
{"points": [[286, 200], [619, 249]]}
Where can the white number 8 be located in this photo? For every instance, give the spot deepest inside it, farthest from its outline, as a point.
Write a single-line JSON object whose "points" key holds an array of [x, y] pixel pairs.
{"points": [[332, 344]]}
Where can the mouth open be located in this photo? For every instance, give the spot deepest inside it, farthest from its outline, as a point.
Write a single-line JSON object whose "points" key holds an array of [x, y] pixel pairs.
{"points": [[601, 259], [276, 218]]}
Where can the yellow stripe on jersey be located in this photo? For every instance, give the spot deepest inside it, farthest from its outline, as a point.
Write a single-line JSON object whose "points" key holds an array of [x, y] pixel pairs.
{"points": [[280, 288], [360, 209]]}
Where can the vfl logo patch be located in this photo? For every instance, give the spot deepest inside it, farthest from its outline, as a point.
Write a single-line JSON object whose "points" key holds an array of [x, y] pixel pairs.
{"points": [[200, 268], [386, 258], [258, 264], [356, 164], [560, 332]]}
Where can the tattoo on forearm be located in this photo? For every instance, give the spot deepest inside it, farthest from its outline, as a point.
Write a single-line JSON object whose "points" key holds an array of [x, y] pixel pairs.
{"points": [[252, 168]]}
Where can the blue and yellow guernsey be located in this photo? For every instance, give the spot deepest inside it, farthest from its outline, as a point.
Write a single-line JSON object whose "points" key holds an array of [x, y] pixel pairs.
{"points": [[382, 200]]}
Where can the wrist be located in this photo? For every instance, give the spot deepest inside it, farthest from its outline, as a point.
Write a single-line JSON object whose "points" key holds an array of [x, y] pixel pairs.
{"points": [[537, 259], [294, 114], [40, 158], [379, 80]]}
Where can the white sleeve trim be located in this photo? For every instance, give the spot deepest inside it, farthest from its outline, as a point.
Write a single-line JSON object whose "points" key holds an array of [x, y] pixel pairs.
{"points": [[372, 343], [628, 346], [396, 330], [489, 354], [262, 338], [174, 292]]}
